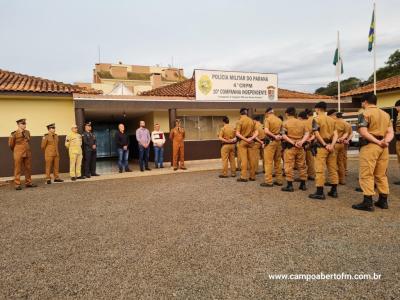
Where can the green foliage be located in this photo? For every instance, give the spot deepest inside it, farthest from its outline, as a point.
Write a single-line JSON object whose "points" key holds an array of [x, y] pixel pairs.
{"points": [[391, 68], [345, 86]]}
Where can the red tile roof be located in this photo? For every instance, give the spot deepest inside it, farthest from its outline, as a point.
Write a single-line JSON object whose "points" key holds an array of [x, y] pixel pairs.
{"points": [[180, 89], [16, 82], [186, 88], [387, 84]]}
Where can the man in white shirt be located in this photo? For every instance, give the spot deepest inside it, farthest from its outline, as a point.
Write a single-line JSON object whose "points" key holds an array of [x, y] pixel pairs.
{"points": [[158, 139]]}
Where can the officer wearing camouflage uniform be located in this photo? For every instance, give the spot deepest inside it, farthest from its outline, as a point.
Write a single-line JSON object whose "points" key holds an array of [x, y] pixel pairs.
{"points": [[272, 149], [49, 146], [294, 134], [376, 132], [19, 143], [326, 136]]}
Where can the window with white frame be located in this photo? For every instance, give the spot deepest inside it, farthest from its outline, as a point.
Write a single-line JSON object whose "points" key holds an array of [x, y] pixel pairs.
{"points": [[199, 128]]}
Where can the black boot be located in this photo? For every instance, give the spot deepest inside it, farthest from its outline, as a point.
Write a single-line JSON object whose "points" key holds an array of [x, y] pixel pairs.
{"points": [[289, 187], [303, 186], [333, 192], [319, 194], [365, 205], [382, 201]]}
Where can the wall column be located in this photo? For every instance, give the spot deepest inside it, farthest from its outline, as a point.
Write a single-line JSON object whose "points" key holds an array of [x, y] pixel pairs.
{"points": [[172, 118], [251, 112], [80, 118]]}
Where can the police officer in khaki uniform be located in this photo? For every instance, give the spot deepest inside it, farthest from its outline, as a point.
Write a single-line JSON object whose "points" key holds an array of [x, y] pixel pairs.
{"points": [[310, 160], [51, 154], [303, 116], [73, 142], [347, 141], [177, 135], [326, 136], [227, 137], [259, 144], [343, 131], [19, 142], [246, 131], [294, 134], [376, 132], [272, 149], [397, 105]]}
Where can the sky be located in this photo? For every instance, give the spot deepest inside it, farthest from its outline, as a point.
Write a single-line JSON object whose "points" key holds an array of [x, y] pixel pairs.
{"points": [[59, 39]]}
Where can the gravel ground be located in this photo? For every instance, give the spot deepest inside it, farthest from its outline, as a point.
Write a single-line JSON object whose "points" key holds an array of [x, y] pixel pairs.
{"points": [[193, 236]]}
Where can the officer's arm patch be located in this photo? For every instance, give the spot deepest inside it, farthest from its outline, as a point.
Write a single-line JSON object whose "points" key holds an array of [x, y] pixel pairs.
{"points": [[362, 121], [315, 125]]}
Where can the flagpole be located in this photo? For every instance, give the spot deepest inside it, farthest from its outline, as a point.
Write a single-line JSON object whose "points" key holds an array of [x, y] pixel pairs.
{"points": [[338, 73], [374, 49]]}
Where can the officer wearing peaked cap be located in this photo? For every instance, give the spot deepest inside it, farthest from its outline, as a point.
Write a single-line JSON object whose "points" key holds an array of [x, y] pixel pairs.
{"points": [[89, 151], [49, 146], [19, 142]]}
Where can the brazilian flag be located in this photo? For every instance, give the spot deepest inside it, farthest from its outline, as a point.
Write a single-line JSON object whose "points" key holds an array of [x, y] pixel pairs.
{"points": [[371, 36]]}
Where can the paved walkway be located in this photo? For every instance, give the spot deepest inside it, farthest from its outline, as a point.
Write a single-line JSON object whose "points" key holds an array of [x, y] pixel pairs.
{"points": [[109, 169]]}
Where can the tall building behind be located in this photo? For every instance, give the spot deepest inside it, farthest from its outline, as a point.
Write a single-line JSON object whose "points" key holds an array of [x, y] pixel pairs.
{"points": [[122, 79]]}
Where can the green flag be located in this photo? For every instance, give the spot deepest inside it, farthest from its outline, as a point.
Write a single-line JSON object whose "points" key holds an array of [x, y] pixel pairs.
{"points": [[337, 60]]}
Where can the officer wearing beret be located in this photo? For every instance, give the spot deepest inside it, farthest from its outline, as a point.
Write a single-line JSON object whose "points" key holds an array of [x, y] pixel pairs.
{"points": [[89, 151], [19, 142], [49, 146]]}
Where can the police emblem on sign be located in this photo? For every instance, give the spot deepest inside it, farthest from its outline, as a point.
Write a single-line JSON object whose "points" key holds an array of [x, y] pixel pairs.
{"points": [[205, 84]]}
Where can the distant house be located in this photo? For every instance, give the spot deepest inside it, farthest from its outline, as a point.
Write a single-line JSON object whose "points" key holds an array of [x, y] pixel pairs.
{"points": [[135, 78], [387, 90], [41, 102]]}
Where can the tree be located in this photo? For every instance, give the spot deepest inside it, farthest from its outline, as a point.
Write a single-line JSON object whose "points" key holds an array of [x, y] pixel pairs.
{"points": [[392, 68], [345, 86]]}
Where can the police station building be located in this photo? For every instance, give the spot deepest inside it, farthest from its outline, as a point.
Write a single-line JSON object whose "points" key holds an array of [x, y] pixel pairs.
{"points": [[200, 102]]}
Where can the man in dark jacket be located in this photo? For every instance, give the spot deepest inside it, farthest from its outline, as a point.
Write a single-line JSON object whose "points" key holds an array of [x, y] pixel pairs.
{"points": [[122, 142], [89, 151]]}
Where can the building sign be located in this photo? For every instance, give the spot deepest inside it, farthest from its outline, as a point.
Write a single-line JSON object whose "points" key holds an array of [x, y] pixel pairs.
{"points": [[235, 86]]}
